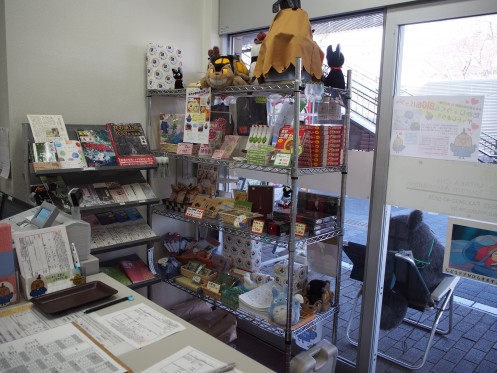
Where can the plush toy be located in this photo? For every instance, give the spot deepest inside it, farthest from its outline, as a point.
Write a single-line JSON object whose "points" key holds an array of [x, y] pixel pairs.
{"points": [[214, 53], [225, 71], [317, 296], [254, 53], [178, 78], [289, 36], [409, 232], [335, 61], [277, 309]]}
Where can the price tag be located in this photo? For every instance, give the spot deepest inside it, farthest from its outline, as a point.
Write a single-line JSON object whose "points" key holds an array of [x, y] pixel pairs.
{"points": [[300, 229], [212, 286], [218, 154], [193, 212], [258, 226], [184, 148], [197, 279], [282, 159]]}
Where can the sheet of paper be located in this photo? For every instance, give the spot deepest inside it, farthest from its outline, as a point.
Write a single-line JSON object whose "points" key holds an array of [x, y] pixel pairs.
{"points": [[197, 115], [48, 128], [60, 349], [187, 360], [140, 325], [4, 153], [25, 320], [43, 251]]}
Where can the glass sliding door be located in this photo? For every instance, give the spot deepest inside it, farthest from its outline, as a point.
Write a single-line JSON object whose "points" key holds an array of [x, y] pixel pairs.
{"points": [[437, 57]]}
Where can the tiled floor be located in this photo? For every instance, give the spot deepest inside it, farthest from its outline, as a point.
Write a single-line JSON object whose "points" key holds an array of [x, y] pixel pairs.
{"points": [[470, 347]]}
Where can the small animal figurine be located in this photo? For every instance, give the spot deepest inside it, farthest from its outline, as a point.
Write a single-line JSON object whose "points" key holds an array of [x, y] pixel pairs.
{"points": [[254, 53], [277, 309], [335, 61], [178, 78]]}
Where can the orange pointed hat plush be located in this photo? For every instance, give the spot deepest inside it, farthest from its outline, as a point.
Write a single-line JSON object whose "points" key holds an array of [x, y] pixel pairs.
{"points": [[289, 36]]}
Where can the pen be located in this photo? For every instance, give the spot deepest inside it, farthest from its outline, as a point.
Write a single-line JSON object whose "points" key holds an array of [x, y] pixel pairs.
{"points": [[108, 304], [225, 368]]}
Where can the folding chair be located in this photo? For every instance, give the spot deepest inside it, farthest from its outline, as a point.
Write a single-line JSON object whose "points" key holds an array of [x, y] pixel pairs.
{"points": [[410, 283]]}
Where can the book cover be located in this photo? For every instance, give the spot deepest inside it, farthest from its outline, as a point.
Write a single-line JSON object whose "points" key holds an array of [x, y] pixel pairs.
{"points": [[106, 218], [103, 193], [133, 213], [70, 154], [130, 144], [57, 190], [117, 192], [97, 147], [117, 274], [44, 152], [137, 189], [135, 269], [90, 197], [148, 191], [129, 192], [121, 216]]}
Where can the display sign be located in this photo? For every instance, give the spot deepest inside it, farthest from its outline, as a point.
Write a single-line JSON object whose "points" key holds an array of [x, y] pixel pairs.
{"points": [[300, 229], [185, 148], [258, 226], [195, 213]]}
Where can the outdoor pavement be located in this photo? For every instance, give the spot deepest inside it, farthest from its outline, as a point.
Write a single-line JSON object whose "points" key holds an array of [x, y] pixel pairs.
{"points": [[472, 344]]}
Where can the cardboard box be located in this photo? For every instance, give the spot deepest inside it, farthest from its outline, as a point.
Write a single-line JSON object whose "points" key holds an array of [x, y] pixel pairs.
{"points": [[9, 290]]}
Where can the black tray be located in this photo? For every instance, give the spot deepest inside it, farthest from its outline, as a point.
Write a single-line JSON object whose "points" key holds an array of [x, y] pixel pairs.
{"points": [[66, 299]]}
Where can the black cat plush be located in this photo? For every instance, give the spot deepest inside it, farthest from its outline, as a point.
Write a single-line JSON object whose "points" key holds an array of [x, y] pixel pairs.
{"points": [[335, 61], [178, 78]]}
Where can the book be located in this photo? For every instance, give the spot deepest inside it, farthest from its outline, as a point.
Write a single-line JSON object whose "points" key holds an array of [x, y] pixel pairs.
{"points": [[117, 192], [103, 193], [106, 218], [135, 269], [44, 156], [148, 191], [117, 274], [130, 144], [57, 190], [70, 154], [97, 147], [129, 192], [44, 152], [137, 189], [90, 197], [47, 128]]}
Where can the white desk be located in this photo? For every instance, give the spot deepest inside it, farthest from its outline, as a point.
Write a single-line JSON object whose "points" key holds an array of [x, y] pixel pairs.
{"points": [[145, 357]]}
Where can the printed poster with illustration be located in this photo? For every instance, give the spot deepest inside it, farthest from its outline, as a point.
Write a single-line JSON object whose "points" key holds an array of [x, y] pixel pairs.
{"points": [[471, 249], [438, 127], [197, 115]]}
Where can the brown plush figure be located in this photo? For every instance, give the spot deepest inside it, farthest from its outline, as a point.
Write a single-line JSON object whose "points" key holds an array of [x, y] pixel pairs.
{"points": [[289, 36]]}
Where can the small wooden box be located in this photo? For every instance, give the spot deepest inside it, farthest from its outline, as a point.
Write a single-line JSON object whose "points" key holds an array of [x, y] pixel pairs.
{"points": [[205, 278]]}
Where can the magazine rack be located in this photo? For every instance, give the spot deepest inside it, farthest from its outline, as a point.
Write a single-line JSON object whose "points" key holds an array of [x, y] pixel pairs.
{"points": [[90, 175], [411, 284]]}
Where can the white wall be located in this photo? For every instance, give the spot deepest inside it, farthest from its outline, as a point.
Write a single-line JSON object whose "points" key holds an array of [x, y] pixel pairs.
{"points": [[85, 59], [4, 105]]}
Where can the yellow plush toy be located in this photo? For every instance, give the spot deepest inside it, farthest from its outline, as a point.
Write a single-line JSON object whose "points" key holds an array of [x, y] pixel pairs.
{"points": [[225, 71]]}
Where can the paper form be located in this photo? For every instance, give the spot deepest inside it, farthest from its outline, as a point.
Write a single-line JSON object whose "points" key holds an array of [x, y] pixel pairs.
{"points": [[65, 348], [187, 360], [25, 320], [140, 325]]}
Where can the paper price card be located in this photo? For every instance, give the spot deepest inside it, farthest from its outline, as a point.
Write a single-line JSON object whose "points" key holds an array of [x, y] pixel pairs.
{"points": [[218, 154], [258, 226], [184, 148], [282, 159], [193, 212], [212, 286], [300, 229]]}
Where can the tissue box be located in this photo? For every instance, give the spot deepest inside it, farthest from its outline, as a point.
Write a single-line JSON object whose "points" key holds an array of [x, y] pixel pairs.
{"points": [[161, 59], [246, 253], [299, 275]]}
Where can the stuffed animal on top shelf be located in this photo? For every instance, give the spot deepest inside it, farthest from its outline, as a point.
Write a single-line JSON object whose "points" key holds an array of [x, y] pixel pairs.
{"points": [[409, 232], [178, 78], [335, 61], [225, 71]]}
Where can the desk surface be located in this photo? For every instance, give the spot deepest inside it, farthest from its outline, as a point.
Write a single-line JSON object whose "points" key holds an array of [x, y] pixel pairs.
{"points": [[145, 357]]}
